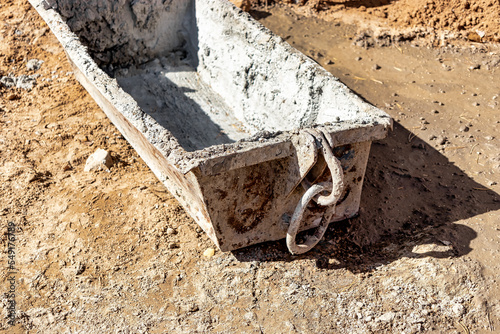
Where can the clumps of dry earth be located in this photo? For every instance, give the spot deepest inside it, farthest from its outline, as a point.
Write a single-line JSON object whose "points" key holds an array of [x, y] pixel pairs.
{"points": [[434, 22]]}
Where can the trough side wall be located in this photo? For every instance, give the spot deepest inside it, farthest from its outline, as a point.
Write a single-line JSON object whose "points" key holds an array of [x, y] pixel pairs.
{"points": [[125, 32], [269, 84]]}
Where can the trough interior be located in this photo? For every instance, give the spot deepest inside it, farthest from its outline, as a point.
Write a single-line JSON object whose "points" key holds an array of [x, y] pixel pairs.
{"points": [[206, 71]]}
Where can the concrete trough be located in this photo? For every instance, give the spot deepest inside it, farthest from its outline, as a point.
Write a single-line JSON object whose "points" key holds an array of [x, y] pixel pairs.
{"points": [[254, 139]]}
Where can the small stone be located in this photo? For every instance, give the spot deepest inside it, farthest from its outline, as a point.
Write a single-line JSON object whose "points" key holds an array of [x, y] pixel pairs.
{"points": [[387, 317], [475, 104], [81, 138], [432, 137], [191, 307], [458, 309], [358, 58], [52, 126], [34, 64], [492, 183], [173, 245], [101, 159], [13, 97], [209, 252], [435, 111], [464, 128], [489, 138], [376, 67], [441, 140], [80, 268], [330, 62], [171, 231]]}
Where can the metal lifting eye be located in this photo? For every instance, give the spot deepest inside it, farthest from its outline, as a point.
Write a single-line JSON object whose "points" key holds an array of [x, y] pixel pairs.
{"points": [[329, 202]]}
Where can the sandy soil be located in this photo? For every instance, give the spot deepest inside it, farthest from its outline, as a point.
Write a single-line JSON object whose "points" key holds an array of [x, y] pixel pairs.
{"points": [[114, 252], [472, 20]]}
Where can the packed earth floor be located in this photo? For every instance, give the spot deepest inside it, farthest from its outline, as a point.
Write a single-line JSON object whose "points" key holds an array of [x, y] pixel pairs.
{"points": [[113, 251]]}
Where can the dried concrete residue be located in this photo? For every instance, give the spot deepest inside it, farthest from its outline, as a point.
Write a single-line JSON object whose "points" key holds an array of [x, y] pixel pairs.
{"points": [[124, 31], [170, 91], [269, 85], [23, 81], [34, 64]]}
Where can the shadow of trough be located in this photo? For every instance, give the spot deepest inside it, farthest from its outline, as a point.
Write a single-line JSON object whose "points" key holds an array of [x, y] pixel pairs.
{"points": [[171, 106], [412, 198]]}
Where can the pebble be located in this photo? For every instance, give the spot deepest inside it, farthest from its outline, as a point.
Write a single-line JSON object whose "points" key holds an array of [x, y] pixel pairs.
{"points": [[441, 140], [34, 64], [81, 138], [376, 67], [387, 317], [358, 58], [330, 62], [171, 231], [191, 307], [209, 252], [99, 160], [458, 309], [53, 126], [173, 245], [463, 128]]}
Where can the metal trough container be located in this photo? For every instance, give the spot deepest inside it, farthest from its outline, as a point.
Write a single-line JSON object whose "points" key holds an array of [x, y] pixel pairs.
{"points": [[254, 139]]}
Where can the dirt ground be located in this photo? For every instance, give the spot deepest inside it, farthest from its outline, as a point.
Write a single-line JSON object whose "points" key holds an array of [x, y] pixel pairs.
{"points": [[476, 20], [114, 252]]}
